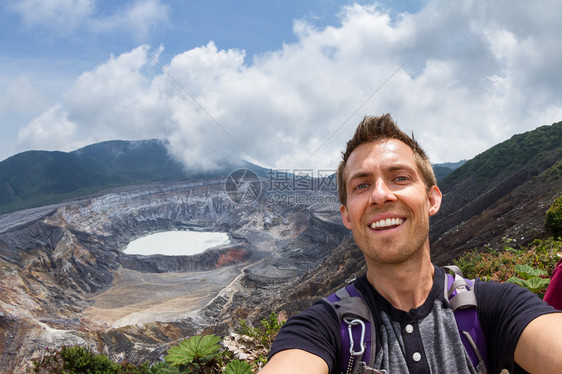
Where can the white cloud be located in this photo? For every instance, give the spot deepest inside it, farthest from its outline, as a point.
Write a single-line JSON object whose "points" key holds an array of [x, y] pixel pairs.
{"points": [[474, 76], [64, 17], [21, 94], [140, 18], [51, 128]]}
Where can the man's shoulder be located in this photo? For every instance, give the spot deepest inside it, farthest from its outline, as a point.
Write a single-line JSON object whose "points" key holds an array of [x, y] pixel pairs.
{"points": [[314, 330], [504, 299], [320, 311], [491, 288]]}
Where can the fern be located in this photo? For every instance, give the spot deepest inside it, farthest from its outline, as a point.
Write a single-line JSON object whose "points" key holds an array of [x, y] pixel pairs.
{"points": [[163, 368], [196, 350], [238, 367]]}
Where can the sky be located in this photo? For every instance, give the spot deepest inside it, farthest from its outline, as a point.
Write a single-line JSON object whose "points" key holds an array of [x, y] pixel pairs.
{"points": [[279, 83]]}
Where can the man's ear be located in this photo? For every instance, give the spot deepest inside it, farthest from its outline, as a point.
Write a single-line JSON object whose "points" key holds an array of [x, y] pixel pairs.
{"points": [[345, 216], [435, 197]]}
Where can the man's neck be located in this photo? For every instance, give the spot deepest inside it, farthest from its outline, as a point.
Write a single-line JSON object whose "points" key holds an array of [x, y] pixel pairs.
{"points": [[405, 286]]}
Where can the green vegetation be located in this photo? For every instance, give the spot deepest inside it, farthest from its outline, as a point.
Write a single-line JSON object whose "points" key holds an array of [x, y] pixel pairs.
{"points": [[441, 172], [265, 333], [38, 178], [533, 279], [238, 367], [553, 219], [79, 360], [196, 355], [504, 265], [201, 354], [523, 149]]}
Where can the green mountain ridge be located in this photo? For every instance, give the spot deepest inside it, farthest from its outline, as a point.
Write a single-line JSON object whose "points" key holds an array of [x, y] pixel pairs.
{"points": [[37, 178], [543, 143]]}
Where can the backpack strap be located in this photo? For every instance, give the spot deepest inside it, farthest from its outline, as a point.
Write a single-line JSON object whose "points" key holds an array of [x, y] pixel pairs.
{"points": [[459, 292], [356, 328]]}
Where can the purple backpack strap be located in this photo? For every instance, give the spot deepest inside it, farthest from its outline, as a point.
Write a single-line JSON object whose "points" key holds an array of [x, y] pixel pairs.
{"points": [[356, 327], [460, 294]]}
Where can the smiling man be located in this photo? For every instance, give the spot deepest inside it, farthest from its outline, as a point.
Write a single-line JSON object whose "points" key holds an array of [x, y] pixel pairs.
{"points": [[388, 192]]}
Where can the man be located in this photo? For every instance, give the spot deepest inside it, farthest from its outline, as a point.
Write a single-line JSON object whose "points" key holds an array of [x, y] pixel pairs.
{"points": [[388, 191]]}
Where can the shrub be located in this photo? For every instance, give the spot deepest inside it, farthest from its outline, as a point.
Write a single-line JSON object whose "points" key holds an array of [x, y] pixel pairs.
{"points": [[265, 333], [553, 219], [82, 360], [78, 360]]}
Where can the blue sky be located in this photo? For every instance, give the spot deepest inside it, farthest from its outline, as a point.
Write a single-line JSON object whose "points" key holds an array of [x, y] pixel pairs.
{"points": [[281, 83]]}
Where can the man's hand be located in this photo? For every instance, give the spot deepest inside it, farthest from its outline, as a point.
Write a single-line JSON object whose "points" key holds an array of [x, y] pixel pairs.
{"points": [[539, 349], [295, 361]]}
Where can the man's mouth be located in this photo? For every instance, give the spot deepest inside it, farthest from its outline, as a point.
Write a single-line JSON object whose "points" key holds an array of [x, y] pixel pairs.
{"points": [[385, 224]]}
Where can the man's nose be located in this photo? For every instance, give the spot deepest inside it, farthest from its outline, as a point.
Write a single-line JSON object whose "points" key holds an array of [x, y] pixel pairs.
{"points": [[381, 193]]}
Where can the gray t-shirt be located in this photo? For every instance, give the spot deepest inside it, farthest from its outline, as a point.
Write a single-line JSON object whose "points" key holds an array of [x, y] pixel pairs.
{"points": [[425, 339]]}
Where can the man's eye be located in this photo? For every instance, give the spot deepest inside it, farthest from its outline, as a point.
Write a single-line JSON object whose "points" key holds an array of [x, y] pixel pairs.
{"points": [[401, 179], [361, 186]]}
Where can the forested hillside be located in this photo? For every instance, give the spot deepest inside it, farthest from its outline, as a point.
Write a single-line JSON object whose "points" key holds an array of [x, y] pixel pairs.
{"points": [[538, 147]]}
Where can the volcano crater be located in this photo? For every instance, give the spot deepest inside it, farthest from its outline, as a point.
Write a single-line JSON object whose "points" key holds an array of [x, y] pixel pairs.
{"points": [[66, 279]]}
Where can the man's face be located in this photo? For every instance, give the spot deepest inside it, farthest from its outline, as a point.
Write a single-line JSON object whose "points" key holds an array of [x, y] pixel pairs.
{"points": [[388, 204]]}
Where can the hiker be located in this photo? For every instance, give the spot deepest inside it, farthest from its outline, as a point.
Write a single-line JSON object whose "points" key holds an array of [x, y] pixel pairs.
{"points": [[388, 192], [553, 294]]}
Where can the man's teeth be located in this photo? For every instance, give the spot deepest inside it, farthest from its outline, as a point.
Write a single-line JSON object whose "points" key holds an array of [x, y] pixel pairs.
{"points": [[387, 223]]}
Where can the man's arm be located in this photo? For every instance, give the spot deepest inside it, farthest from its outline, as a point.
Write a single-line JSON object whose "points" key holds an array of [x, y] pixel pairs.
{"points": [[539, 349], [295, 361]]}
